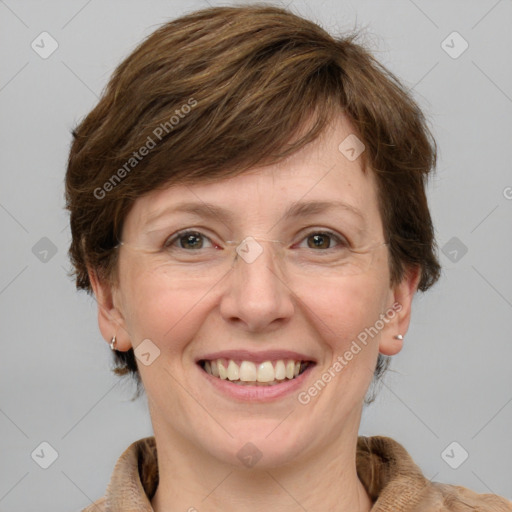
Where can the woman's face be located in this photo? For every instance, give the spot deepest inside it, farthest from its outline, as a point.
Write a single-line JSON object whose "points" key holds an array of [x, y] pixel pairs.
{"points": [[303, 299]]}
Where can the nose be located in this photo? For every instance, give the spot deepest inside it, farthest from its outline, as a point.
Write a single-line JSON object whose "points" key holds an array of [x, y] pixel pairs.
{"points": [[257, 292]]}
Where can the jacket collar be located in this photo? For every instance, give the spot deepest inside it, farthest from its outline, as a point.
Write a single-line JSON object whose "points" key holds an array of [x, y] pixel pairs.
{"points": [[383, 465]]}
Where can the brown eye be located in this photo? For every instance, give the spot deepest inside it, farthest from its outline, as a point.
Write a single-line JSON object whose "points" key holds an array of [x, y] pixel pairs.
{"points": [[192, 240], [319, 241], [322, 240], [186, 240]]}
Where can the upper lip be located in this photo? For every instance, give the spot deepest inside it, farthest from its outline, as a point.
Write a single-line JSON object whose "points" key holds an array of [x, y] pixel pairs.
{"points": [[255, 357]]}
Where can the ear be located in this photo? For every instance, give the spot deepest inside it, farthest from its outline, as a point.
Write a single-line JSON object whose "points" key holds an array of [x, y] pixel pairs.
{"points": [[110, 318], [399, 312]]}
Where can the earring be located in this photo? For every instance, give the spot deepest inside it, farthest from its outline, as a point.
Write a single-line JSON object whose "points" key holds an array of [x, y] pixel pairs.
{"points": [[399, 337], [113, 343]]}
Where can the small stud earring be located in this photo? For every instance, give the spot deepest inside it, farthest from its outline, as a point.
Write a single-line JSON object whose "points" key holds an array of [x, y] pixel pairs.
{"points": [[113, 343], [399, 337]]}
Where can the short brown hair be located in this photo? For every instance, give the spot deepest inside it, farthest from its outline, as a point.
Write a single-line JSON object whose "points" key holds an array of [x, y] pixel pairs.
{"points": [[223, 89]]}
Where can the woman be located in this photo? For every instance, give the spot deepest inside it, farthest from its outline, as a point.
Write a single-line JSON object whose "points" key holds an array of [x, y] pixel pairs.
{"points": [[248, 207]]}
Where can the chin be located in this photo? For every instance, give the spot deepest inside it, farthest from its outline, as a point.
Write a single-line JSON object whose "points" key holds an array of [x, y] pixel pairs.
{"points": [[264, 444]]}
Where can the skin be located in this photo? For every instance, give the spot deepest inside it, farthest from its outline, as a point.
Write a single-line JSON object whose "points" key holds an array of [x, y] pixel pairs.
{"points": [[308, 451]]}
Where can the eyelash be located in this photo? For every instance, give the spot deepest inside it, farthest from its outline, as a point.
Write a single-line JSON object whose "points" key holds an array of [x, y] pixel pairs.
{"points": [[180, 234]]}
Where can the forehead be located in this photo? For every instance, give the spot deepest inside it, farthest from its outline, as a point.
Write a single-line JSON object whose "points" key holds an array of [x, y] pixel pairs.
{"points": [[320, 172]]}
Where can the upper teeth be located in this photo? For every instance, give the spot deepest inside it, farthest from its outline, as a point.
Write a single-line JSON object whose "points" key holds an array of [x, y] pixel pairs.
{"points": [[248, 371]]}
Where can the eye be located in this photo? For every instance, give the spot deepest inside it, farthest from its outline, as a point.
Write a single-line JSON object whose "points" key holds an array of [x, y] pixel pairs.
{"points": [[186, 239], [321, 240], [193, 240]]}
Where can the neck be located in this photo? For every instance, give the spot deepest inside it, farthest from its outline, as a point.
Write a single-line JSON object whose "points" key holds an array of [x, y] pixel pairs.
{"points": [[190, 480]]}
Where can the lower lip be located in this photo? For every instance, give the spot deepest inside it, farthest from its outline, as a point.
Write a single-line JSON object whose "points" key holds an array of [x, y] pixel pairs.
{"points": [[245, 392]]}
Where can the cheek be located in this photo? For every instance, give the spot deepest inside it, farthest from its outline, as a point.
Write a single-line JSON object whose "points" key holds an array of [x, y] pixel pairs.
{"points": [[344, 309], [349, 300], [155, 308]]}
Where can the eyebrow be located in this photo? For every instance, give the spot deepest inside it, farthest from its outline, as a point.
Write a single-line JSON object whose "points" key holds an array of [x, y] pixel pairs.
{"points": [[295, 210]]}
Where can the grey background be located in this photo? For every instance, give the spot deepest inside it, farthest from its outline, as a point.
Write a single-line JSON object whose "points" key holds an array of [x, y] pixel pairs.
{"points": [[451, 382]]}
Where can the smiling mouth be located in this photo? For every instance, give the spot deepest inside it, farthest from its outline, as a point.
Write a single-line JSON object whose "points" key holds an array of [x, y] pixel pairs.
{"points": [[247, 373]]}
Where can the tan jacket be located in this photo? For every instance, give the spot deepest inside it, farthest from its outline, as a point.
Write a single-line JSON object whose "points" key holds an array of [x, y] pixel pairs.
{"points": [[393, 481]]}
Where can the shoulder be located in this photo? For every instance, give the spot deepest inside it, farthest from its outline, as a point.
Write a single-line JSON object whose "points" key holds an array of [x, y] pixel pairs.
{"points": [[133, 480], [98, 506], [395, 482], [455, 498]]}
